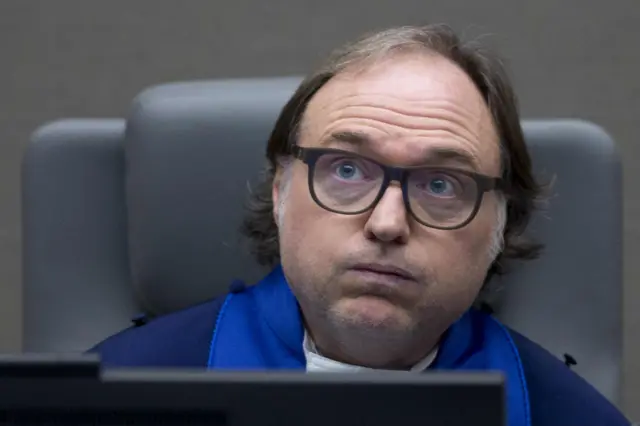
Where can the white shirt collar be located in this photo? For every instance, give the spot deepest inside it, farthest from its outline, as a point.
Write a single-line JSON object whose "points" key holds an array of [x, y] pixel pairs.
{"points": [[319, 363]]}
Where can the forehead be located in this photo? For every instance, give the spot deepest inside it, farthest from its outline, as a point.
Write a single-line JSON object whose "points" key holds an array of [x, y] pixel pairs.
{"points": [[405, 104]]}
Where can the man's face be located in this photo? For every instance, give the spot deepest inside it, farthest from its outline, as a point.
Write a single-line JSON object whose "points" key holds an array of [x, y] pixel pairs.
{"points": [[407, 108]]}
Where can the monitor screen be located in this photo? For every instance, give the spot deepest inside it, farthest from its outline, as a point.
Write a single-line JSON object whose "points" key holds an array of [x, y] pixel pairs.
{"points": [[50, 390]]}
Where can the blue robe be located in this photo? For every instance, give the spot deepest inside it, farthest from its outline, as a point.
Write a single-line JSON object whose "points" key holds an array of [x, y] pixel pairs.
{"points": [[260, 327]]}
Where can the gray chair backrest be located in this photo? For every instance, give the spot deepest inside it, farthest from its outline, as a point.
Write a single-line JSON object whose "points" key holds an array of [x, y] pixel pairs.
{"points": [[148, 221], [74, 252]]}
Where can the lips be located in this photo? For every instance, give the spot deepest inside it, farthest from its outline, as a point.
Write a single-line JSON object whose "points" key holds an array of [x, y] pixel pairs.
{"points": [[382, 269]]}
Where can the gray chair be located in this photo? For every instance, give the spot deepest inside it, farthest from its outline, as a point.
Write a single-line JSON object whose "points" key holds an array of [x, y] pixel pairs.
{"points": [[146, 221], [75, 265]]}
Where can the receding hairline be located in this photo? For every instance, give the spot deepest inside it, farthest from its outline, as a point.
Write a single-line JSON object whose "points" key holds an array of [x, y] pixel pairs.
{"points": [[414, 50]]}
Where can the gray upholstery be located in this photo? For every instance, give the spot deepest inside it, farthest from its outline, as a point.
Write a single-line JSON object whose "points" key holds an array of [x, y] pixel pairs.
{"points": [[190, 150], [75, 271], [569, 300]]}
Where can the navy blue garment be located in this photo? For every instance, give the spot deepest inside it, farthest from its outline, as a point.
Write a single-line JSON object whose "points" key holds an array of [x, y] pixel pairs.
{"points": [[261, 328]]}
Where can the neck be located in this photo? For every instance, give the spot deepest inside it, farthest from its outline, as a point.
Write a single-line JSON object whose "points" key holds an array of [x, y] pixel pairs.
{"points": [[371, 348]]}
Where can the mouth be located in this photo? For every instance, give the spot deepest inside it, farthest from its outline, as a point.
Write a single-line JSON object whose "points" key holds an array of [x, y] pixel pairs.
{"points": [[389, 271]]}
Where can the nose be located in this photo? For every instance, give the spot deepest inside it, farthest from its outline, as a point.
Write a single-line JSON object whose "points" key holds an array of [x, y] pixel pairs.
{"points": [[388, 221]]}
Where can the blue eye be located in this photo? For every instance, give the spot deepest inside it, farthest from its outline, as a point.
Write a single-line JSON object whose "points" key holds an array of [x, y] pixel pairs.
{"points": [[347, 171], [440, 186]]}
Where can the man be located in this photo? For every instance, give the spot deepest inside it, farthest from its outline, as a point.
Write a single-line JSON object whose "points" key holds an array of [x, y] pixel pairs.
{"points": [[398, 181]]}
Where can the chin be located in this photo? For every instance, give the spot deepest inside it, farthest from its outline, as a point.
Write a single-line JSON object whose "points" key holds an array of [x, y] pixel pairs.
{"points": [[371, 313]]}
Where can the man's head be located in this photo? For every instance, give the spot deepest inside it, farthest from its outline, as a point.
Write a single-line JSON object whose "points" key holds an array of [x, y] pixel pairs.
{"points": [[390, 239]]}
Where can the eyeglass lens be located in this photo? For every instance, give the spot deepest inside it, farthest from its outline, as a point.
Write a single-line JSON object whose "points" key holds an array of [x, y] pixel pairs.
{"points": [[350, 184]]}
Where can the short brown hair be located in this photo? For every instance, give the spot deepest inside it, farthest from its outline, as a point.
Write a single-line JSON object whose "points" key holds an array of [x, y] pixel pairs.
{"points": [[489, 76]]}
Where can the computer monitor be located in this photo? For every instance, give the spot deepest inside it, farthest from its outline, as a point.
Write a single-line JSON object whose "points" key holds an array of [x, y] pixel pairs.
{"points": [[53, 390]]}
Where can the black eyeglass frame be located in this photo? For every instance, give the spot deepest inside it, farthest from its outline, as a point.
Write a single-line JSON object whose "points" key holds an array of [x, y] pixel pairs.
{"points": [[484, 183]]}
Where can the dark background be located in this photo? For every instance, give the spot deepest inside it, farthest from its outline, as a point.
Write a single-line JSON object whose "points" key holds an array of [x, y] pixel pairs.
{"points": [[88, 58]]}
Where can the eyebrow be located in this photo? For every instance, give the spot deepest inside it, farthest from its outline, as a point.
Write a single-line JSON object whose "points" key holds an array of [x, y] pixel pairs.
{"points": [[351, 138], [432, 155]]}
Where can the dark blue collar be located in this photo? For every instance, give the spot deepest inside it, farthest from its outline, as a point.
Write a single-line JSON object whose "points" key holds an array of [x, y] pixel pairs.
{"points": [[280, 310], [261, 328]]}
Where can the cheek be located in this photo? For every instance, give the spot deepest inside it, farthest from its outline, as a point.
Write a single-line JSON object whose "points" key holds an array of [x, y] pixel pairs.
{"points": [[460, 258], [479, 234], [309, 246], [302, 226]]}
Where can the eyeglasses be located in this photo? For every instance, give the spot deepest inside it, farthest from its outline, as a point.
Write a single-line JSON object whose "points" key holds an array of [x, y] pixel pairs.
{"points": [[438, 197]]}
